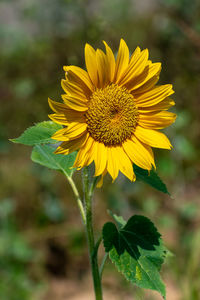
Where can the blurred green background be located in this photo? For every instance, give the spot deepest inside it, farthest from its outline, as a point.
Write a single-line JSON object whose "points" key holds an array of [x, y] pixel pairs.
{"points": [[43, 253]]}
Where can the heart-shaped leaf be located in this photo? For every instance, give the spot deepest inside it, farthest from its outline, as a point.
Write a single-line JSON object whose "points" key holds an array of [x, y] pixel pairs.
{"points": [[137, 251]]}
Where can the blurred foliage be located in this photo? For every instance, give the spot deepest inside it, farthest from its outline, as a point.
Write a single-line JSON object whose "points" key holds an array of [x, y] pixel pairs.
{"points": [[16, 255], [38, 217]]}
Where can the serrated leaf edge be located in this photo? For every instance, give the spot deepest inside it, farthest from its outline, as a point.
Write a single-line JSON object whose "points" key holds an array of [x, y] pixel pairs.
{"points": [[120, 271]]}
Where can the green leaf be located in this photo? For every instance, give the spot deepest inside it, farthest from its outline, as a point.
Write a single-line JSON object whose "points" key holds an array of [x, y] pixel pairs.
{"points": [[44, 155], [39, 134], [137, 251], [150, 178]]}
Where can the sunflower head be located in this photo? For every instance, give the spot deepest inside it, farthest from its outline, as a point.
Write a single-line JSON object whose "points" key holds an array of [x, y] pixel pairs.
{"points": [[112, 112], [112, 115]]}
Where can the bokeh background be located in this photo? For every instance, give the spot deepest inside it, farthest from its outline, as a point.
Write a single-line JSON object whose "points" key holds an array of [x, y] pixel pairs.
{"points": [[43, 253]]}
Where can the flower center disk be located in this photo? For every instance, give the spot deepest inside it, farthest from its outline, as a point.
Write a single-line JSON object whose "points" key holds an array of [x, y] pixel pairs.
{"points": [[112, 115]]}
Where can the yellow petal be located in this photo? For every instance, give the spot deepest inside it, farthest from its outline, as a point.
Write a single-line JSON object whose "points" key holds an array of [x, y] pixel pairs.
{"points": [[102, 67], [111, 62], [72, 131], [73, 89], [82, 156], [75, 129], [135, 55], [163, 105], [100, 158], [139, 154], [59, 118], [81, 74], [57, 106], [154, 96], [74, 80], [122, 60], [149, 72], [60, 135], [112, 164], [71, 146], [157, 120], [75, 103], [100, 182], [146, 86], [152, 138], [68, 117], [91, 154], [124, 163], [135, 68], [70, 114], [91, 64]]}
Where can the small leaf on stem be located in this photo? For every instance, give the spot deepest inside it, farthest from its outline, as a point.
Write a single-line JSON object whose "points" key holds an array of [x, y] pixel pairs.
{"points": [[118, 219], [150, 178]]}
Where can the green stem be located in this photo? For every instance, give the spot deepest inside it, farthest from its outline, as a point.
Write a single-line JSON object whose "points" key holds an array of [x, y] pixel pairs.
{"points": [[88, 193], [96, 246], [103, 264], [77, 196]]}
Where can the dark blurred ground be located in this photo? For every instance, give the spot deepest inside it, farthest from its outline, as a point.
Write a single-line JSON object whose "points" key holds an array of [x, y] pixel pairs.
{"points": [[43, 252]]}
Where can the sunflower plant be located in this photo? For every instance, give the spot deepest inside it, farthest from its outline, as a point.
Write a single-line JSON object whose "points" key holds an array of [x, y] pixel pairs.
{"points": [[108, 122]]}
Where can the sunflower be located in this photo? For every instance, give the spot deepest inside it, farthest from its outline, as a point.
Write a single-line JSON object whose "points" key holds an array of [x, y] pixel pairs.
{"points": [[112, 112]]}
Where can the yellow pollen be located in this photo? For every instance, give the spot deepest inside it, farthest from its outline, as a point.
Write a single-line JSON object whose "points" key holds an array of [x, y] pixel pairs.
{"points": [[112, 115]]}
